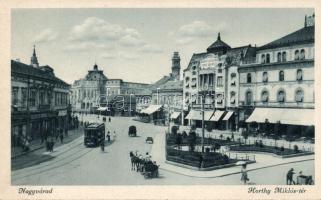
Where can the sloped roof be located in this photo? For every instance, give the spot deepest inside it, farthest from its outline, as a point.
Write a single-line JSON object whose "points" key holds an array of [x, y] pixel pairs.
{"points": [[235, 55], [218, 44], [172, 85], [21, 68], [302, 36]]}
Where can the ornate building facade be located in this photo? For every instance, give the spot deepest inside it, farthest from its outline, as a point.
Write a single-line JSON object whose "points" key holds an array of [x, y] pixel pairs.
{"points": [[278, 85], [89, 92], [39, 101]]}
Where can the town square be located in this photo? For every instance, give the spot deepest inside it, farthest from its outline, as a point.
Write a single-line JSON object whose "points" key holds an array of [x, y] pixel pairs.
{"points": [[113, 97]]}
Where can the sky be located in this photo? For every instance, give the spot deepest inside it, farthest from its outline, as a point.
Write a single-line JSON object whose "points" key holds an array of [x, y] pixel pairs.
{"points": [[137, 44]]}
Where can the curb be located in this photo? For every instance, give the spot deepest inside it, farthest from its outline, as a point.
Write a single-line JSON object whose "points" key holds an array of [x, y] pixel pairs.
{"points": [[24, 153], [232, 173]]}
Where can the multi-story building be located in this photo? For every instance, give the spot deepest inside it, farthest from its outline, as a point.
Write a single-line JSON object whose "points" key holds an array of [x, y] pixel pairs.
{"points": [[277, 86], [89, 92], [167, 95], [212, 77], [39, 101]]}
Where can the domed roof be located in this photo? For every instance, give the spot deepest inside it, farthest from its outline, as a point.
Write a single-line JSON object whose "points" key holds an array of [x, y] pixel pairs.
{"points": [[218, 45]]}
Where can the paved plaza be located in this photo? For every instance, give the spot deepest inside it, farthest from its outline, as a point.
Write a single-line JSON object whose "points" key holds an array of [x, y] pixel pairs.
{"points": [[74, 164]]}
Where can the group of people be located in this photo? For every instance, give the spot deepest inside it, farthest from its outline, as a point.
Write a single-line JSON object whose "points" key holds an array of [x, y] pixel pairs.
{"points": [[108, 136], [301, 179], [143, 164]]}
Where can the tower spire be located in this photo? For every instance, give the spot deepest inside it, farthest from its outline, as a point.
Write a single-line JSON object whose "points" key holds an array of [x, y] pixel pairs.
{"points": [[219, 36], [34, 59]]}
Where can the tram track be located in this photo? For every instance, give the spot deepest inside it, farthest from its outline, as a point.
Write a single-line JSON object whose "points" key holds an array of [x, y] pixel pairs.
{"points": [[65, 157]]}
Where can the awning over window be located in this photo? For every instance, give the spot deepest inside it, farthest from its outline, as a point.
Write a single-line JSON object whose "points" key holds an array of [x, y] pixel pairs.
{"points": [[197, 115], [217, 116], [174, 115], [304, 117], [151, 109], [228, 115], [102, 108]]}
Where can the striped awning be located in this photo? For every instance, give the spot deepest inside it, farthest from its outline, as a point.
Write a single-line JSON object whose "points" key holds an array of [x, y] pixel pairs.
{"points": [[217, 115], [228, 115], [151, 109], [174, 115]]}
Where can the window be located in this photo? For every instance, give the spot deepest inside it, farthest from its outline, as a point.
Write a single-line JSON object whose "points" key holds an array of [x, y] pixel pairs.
{"points": [[24, 97], [281, 76], [32, 98], [299, 96], [249, 78], [194, 67], [41, 97], [299, 75], [296, 55], [219, 98], [219, 81], [248, 98], [281, 96], [284, 56], [302, 54], [267, 58], [263, 58], [265, 96], [233, 79], [194, 72], [265, 77], [14, 97], [279, 57], [232, 98], [220, 70], [187, 79]]}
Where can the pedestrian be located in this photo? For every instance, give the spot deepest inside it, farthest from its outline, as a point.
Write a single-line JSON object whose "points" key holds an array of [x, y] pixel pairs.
{"points": [[102, 144], [109, 119], [61, 136], [289, 177], [26, 145], [244, 176], [114, 136], [200, 162], [232, 136], [108, 136]]}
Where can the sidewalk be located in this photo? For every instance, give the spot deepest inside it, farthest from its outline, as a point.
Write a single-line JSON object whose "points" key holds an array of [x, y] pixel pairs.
{"points": [[262, 161], [36, 144]]}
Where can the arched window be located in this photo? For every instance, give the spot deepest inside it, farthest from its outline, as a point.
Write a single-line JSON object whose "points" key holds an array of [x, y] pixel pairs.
{"points": [[281, 76], [281, 96], [263, 58], [284, 56], [299, 75], [265, 96], [267, 58], [249, 78], [232, 98], [265, 77], [279, 57], [302, 54], [296, 55], [299, 95], [248, 100]]}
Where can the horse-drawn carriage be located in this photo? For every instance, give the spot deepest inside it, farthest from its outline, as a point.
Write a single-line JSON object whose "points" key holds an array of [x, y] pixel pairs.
{"points": [[132, 132], [146, 167]]}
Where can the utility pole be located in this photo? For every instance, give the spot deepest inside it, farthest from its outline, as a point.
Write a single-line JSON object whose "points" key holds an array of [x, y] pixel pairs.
{"points": [[202, 124]]}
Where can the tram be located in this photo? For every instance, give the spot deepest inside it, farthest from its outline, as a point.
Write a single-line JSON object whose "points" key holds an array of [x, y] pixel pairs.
{"points": [[93, 134]]}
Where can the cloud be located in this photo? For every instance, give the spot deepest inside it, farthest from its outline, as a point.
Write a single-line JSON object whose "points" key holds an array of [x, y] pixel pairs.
{"points": [[151, 48], [196, 30], [86, 46], [130, 40], [108, 56], [128, 56], [46, 35]]}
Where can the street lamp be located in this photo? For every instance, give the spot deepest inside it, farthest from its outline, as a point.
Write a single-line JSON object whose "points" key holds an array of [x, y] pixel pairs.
{"points": [[202, 124], [130, 105], [158, 96]]}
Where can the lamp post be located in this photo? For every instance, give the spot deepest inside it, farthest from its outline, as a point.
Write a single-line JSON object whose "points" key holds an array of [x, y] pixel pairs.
{"points": [[130, 105], [158, 96], [202, 124]]}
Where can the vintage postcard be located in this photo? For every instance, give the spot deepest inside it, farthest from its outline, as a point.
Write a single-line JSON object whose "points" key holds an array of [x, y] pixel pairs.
{"points": [[130, 101]]}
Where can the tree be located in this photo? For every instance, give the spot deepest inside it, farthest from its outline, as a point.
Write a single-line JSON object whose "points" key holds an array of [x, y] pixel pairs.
{"points": [[245, 135], [276, 132], [192, 140], [178, 140], [174, 129]]}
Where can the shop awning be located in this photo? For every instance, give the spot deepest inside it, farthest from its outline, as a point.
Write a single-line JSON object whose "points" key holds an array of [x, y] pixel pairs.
{"points": [[304, 117], [197, 115], [174, 115], [102, 108], [217, 115], [151, 109], [228, 115]]}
